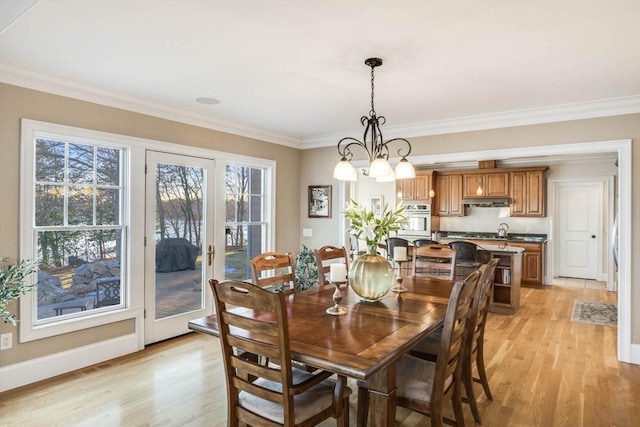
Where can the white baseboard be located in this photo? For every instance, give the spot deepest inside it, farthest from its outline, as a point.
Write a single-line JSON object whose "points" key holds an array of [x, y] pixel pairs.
{"points": [[635, 354], [39, 369]]}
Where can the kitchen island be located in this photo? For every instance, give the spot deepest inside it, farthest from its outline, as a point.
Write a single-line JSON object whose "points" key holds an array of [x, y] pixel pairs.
{"points": [[505, 298]]}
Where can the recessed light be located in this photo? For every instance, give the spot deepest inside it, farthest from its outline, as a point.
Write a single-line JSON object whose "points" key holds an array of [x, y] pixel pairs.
{"points": [[208, 101]]}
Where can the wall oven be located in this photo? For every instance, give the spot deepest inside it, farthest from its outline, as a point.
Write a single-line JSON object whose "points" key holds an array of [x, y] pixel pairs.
{"points": [[418, 221]]}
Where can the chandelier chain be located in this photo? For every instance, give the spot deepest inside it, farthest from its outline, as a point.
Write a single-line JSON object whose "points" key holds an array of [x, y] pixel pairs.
{"points": [[373, 110]]}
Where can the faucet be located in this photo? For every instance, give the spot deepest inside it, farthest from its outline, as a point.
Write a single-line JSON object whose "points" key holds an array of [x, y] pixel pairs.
{"points": [[503, 229]]}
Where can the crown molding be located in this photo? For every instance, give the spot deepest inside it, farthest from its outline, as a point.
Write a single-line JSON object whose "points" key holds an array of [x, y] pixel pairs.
{"points": [[533, 116], [18, 76]]}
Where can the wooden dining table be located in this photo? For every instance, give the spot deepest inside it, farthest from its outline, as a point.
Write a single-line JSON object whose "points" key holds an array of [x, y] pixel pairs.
{"points": [[367, 341]]}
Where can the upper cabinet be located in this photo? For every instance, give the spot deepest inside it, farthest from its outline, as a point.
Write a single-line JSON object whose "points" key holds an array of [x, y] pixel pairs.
{"points": [[528, 192], [448, 195], [415, 189], [486, 184]]}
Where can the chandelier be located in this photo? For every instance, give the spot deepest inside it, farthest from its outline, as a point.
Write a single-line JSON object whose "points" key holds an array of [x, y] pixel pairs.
{"points": [[375, 147]]}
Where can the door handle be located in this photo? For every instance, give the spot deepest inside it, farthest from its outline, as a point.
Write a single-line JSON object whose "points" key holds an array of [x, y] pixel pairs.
{"points": [[211, 253], [593, 236]]}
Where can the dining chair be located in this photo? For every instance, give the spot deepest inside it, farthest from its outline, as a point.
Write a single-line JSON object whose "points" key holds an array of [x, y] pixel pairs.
{"points": [[474, 347], [274, 271], [434, 261], [424, 242], [273, 395], [394, 242], [327, 255], [424, 386], [468, 257]]}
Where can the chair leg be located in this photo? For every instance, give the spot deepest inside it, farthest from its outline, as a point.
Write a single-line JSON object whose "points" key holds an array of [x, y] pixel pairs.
{"points": [[457, 406], [482, 374], [363, 406], [467, 379]]}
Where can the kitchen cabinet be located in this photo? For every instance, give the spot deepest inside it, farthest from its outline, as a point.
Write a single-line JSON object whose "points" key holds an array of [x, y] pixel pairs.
{"points": [[415, 189], [528, 192], [449, 195], [493, 184], [532, 263]]}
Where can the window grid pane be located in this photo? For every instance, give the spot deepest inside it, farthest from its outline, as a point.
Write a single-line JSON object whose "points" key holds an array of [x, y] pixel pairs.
{"points": [[78, 205]]}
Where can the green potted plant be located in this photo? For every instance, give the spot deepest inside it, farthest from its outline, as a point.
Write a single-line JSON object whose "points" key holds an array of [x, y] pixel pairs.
{"points": [[13, 284]]}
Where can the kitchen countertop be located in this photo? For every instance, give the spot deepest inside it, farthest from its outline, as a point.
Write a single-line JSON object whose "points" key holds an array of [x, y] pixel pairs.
{"points": [[511, 237], [502, 248]]}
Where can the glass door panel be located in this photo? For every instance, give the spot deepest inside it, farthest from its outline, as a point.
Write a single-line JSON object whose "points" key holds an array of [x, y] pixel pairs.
{"points": [[179, 242]]}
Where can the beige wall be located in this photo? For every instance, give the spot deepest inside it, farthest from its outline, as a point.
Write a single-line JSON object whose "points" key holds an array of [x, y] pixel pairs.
{"points": [[17, 103], [591, 130]]}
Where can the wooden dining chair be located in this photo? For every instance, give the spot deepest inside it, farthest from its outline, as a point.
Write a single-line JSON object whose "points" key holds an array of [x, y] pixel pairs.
{"points": [[434, 261], [272, 395], [474, 346], [274, 271], [327, 255], [424, 386]]}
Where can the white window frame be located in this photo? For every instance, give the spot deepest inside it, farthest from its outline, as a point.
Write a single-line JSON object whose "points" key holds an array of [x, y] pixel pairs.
{"points": [[133, 219]]}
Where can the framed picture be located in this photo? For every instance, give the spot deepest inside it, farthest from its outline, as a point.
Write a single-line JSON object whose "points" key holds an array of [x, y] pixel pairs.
{"points": [[376, 204], [319, 201]]}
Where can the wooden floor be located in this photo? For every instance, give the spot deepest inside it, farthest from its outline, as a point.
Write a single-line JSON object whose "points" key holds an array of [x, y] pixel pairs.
{"points": [[544, 370]]}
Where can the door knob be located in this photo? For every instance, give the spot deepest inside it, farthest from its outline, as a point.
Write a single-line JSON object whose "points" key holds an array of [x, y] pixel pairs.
{"points": [[593, 236]]}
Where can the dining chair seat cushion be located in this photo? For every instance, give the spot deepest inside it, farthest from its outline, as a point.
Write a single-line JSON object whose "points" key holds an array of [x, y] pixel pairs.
{"points": [[307, 404], [415, 378]]}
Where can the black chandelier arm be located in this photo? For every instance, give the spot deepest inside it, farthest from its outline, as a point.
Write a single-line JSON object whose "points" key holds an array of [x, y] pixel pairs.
{"points": [[400, 152], [344, 147]]}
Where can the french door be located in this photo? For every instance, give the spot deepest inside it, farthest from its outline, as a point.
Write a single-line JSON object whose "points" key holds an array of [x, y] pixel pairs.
{"points": [[179, 241]]}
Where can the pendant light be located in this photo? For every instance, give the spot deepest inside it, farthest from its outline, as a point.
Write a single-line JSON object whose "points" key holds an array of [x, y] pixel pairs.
{"points": [[372, 142]]}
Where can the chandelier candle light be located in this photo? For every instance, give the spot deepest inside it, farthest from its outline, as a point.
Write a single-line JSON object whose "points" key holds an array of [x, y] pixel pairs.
{"points": [[375, 147]]}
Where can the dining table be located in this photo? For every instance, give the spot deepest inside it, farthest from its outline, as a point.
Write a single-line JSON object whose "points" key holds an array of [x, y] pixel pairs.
{"points": [[367, 341]]}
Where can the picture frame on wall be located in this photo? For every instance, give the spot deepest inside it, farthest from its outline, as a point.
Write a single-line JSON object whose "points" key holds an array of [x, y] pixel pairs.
{"points": [[376, 202], [319, 201]]}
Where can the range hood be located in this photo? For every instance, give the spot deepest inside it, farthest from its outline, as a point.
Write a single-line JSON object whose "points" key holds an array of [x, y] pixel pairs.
{"points": [[487, 202]]}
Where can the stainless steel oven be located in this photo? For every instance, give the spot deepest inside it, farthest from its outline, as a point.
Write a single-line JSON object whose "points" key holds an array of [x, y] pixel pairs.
{"points": [[418, 221]]}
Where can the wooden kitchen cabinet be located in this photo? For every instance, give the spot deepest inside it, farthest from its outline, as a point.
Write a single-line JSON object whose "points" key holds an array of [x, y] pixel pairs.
{"points": [[528, 192], [493, 184], [532, 264], [415, 189], [449, 195]]}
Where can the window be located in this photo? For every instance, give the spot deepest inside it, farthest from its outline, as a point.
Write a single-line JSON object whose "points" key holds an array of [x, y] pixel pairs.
{"points": [[78, 228], [246, 219]]}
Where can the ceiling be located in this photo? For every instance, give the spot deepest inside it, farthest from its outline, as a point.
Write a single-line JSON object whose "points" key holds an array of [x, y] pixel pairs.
{"points": [[292, 72]]}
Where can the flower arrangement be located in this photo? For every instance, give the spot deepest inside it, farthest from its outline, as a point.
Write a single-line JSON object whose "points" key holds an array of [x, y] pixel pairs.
{"points": [[13, 284], [371, 228]]}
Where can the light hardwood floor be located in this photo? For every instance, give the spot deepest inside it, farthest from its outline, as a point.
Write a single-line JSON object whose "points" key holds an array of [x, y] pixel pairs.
{"points": [[544, 370]]}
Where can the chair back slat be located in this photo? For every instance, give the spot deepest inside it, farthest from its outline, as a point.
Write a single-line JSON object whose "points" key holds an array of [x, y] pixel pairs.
{"points": [[325, 256]]}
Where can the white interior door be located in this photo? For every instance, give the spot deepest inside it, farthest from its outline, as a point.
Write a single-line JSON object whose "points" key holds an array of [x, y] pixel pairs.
{"points": [[179, 239], [579, 210]]}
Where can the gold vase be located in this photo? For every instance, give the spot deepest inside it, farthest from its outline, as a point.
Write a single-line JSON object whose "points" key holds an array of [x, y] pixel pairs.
{"points": [[371, 276]]}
